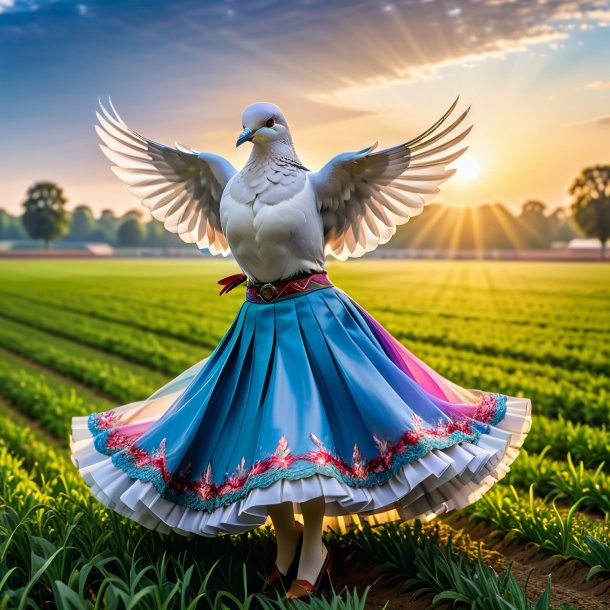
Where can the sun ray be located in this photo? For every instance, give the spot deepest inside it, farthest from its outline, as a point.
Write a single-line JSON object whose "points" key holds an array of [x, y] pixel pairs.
{"points": [[456, 233], [422, 232], [514, 239], [477, 232]]}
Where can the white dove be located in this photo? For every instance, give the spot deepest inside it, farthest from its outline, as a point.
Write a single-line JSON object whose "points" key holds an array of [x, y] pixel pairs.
{"points": [[276, 217]]}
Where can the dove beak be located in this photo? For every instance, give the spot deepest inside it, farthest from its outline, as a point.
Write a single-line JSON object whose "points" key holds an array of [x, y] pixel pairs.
{"points": [[245, 136]]}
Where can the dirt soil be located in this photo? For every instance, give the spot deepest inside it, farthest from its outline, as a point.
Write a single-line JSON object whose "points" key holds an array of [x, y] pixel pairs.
{"points": [[568, 576]]}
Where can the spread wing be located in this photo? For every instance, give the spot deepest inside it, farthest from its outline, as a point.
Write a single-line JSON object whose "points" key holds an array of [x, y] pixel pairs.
{"points": [[180, 186], [364, 195]]}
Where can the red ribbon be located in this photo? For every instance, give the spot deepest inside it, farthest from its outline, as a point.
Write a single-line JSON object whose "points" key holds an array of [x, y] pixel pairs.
{"points": [[232, 281]]}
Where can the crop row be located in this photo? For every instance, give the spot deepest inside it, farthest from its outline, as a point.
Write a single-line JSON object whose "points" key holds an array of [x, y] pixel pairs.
{"points": [[587, 444], [574, 350], [206, 327], [559, 479], [512, 310], [159, 353], [39, 454], [51, 402], [554, 318], [559, 531], [118, 379], [196, 296], [565, 296]]}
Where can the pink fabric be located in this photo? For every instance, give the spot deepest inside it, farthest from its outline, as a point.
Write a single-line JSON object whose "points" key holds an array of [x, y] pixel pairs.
{"points": [[427, 378]]}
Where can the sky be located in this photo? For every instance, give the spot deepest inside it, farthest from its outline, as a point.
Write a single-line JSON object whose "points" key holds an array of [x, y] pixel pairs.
{"points": [[346, 74]]}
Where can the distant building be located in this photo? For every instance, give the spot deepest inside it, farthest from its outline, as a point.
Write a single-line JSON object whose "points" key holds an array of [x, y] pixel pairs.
{"points": [[583, 243]]}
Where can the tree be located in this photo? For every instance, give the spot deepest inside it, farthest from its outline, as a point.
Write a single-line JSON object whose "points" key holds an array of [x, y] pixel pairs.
{"points": [[534, 207], [82, 223], [98, 235], [563, 228], [11, 227], [537, 226], [134, 213], [108, 224], [131, 233], [45, 216], [591, 207], [155, 234]]}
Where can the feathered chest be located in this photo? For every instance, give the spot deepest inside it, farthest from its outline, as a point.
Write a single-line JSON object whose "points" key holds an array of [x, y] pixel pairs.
{"points": [[268, 213], [272, 233], [267, 216], [269, 180]]}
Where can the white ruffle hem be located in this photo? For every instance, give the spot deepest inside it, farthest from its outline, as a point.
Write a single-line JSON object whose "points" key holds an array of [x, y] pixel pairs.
{"points": [[438, 482]]}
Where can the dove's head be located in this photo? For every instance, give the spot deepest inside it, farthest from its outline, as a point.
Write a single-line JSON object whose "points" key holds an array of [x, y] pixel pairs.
{"points": [[263, 122]]}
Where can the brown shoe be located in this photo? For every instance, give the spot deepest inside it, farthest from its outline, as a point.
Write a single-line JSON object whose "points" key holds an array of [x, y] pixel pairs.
{"points": [[276, 581], [303, 588]]}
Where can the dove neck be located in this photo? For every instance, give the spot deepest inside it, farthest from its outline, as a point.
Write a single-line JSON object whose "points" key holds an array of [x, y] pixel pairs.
{"points": [[277, 149]]}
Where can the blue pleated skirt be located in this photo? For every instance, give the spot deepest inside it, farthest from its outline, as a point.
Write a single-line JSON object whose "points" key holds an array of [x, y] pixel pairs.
{"points": [[304, 397]]}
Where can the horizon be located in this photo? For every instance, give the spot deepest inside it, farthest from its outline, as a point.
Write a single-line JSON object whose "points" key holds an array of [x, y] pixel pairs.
{"points": [[345, 75]]}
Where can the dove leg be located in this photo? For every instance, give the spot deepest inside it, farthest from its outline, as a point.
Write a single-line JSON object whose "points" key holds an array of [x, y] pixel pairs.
{"points": [[286, 534], [313, 552]]}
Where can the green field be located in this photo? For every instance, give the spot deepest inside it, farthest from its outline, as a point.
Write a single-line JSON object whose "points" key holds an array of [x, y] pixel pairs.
{"points": [[80, 336]]}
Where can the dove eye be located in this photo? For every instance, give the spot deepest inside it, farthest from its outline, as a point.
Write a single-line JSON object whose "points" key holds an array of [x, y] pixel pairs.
{"points": [[270, 122]]}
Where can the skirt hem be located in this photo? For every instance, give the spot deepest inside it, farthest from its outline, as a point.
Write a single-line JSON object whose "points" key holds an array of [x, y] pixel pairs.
{"points": [[439, 481]]}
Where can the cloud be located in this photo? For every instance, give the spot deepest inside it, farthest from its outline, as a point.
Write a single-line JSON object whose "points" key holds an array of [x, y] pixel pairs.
{"points": [[9, 7], [307, 54], [568, 13], [332, 44], [495, 49], [599, 121], [598, 84], [340, 47]]}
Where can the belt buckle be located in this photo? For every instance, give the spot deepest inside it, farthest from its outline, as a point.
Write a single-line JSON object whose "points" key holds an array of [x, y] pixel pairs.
{"points": [[268, 292]]}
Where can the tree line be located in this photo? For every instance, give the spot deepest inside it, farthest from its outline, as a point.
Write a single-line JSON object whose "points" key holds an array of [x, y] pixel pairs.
{"points": [[486, 227], [45, 217]]}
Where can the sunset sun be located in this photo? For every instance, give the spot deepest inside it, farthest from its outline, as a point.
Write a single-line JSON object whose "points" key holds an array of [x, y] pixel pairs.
{"points": [[468, 168]]}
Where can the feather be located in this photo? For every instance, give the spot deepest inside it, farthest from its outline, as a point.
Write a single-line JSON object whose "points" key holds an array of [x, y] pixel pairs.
{"points": [[363, 196], [181, 187]]}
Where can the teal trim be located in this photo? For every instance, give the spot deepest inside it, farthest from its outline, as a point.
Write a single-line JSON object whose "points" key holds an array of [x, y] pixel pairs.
{"points": [[301, 468]]}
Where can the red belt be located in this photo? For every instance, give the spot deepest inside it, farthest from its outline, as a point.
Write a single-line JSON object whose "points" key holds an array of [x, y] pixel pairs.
{"points": [[274, 290]]}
